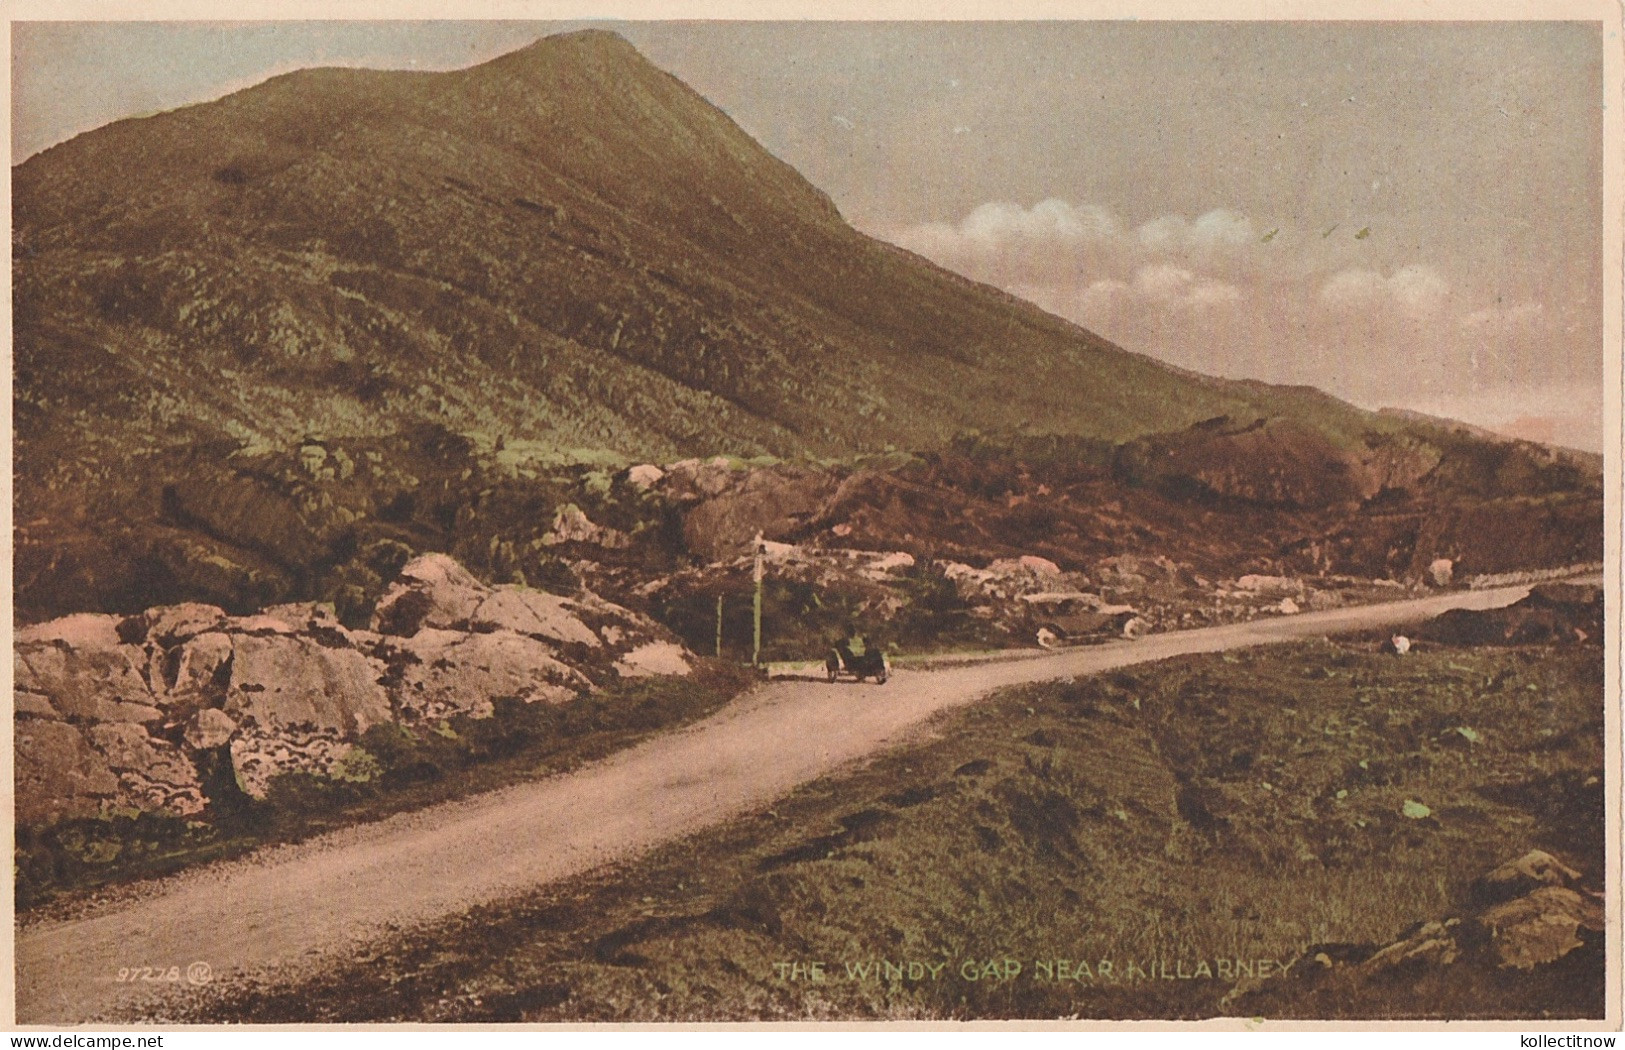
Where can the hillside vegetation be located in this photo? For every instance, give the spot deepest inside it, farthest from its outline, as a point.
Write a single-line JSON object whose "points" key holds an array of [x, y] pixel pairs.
{"points": [[1281, 804], [261, 342]]}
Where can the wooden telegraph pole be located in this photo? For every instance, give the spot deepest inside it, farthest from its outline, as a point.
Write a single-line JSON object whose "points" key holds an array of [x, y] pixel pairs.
{"points": [[756, 640]]}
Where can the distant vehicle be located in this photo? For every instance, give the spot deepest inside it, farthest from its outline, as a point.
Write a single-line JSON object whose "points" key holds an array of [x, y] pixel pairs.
{"points": [[871, 663], [1072, 618]]}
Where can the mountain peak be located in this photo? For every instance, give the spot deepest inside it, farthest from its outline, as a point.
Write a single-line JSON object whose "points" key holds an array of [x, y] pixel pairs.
{"points": [[591, 45], [606, 39]]}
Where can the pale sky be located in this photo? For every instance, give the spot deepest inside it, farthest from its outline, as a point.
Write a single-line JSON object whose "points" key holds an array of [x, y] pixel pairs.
{"points": [[1400, 213]]}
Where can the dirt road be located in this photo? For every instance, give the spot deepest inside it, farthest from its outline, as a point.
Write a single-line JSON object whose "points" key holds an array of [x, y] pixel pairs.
{"points": [[288, 907]]}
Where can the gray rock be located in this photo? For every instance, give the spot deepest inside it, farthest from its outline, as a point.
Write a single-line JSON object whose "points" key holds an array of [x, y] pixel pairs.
{"points": [[259, 755], [169, 625], [446, 673], [655, 658], [295, 682], [300, 616], [1540, 927], [58, 773], [776, 503], [432, 591], [153, 774], [95, 683], [644, 476], [198, 666], [36, 704], [1274, 586], [290, 689], [210, 728], [1529, 872], [571, 525], [81, 630], [535, 613]]}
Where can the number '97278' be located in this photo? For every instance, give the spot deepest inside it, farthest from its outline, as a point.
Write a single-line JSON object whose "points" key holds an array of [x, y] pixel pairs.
{"points": [[129, 974]]}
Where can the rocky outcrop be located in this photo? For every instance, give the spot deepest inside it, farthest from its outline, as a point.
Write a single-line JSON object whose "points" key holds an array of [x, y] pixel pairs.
{"points": [[1532, 928], [1551, 614], [124, 712], [644, 476], [735, 505], [1276, 462], [86, 715], [571, 525], [438, 674]]}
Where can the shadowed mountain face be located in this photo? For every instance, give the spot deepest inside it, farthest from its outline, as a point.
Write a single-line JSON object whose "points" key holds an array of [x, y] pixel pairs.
{"points": [[564, 243], [564, 248]]}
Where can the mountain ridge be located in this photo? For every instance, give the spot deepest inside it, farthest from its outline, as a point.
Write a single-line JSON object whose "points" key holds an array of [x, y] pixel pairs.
{"points": [[562, 255], [260, 143]]}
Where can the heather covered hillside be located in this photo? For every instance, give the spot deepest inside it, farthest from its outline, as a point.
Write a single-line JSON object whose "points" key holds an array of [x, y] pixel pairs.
{"points": [[269, 347]]}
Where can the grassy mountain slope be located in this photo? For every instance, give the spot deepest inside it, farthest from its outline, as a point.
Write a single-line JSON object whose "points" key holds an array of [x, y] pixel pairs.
{"points": [[1245, 805], [564, 249], [563, 243]]}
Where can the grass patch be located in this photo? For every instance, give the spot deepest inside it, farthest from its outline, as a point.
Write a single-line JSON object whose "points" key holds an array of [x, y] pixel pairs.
{"points": [[395, 769], [1221, 807]]}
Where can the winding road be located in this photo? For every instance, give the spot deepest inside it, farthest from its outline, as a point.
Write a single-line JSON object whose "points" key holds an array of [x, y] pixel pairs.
{"points": [[288, 908]]}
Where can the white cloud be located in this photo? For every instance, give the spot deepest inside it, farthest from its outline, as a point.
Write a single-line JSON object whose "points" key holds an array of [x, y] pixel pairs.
{"points": [[1102, 298], [1055, 236], [1162, 281], [1353, 288], [1172, 285], [1209, 292], [1052, 220], [1419, 289], [1006, 244], [1416, 289], [1212, 295], [1219, 229], [1521, 315]]}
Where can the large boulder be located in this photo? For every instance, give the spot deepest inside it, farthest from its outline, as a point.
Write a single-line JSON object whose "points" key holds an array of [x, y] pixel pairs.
{"points": [[1551, 614], [536, 613], [296, 704], [89, 714], [571, 525], [58, 773], [691, 480], [431, 591], [1530, 937], [644, 476], [1532, 871], [201, 668], [170, 625], [126, 711], [655, 658], [78, 631], [434, 593], [153, 773], [1541, 927], [292, 681], [91, 682], [778, 503], [437, 674]]}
